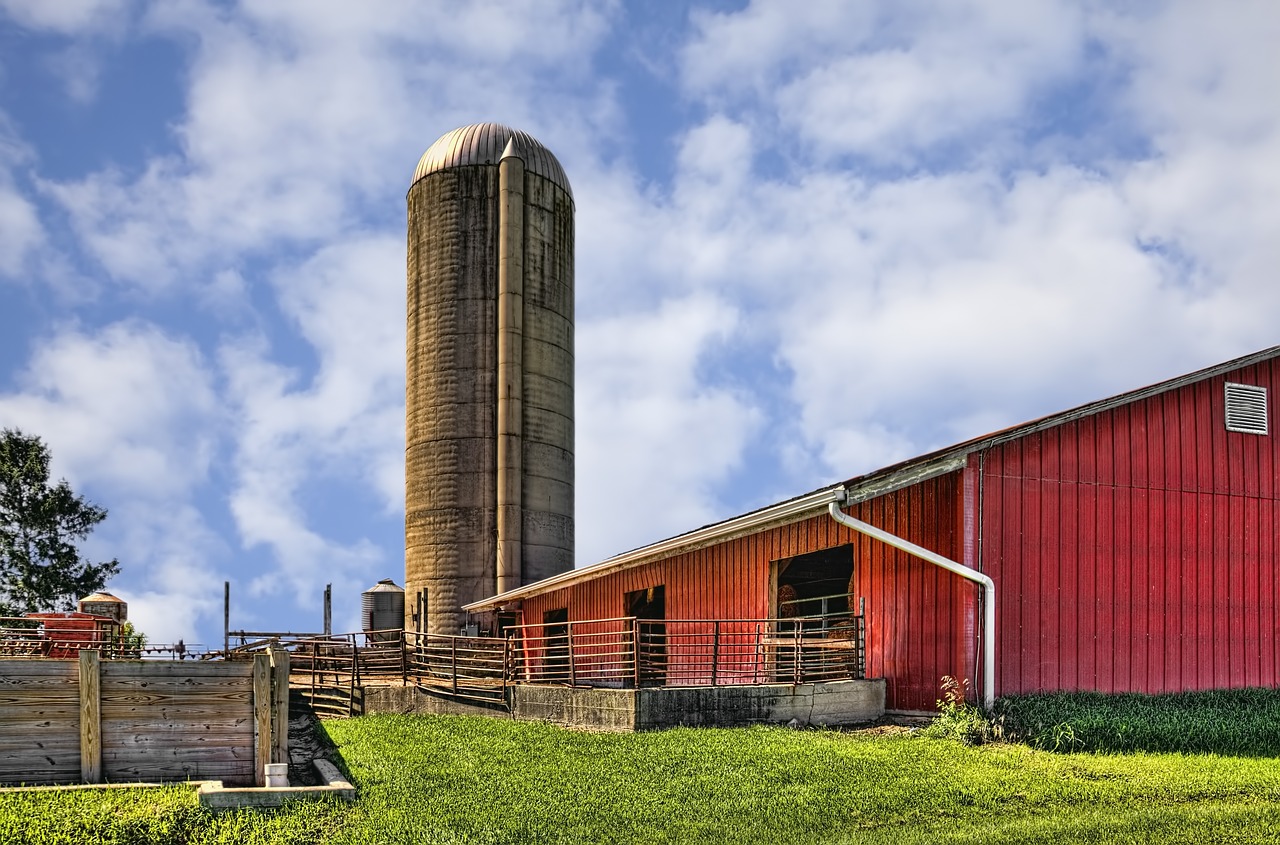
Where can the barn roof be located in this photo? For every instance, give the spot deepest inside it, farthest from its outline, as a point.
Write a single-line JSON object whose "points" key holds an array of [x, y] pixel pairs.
{"points": [[861, 487]]}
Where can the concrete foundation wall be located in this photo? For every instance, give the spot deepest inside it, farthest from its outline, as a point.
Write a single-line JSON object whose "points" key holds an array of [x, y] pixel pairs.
{"points": [[823, 704]]}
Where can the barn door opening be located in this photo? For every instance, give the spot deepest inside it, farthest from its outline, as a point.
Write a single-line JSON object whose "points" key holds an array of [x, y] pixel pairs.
{"points": [[649, 607], [555, 633], [819, 629]]}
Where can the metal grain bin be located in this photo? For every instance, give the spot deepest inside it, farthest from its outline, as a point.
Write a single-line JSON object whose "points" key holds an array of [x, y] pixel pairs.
{"points": [[382, 607]]}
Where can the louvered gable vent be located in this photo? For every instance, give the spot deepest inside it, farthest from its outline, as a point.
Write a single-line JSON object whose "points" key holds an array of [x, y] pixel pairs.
{"points": [[1246, 408]]}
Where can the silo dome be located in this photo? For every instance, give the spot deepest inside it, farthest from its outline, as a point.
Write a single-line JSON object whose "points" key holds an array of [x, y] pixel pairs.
{"points": [[484, 143], [489, 450]]}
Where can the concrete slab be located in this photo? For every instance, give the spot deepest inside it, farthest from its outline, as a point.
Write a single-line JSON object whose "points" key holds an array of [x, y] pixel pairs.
{"points": [[214, 796]]}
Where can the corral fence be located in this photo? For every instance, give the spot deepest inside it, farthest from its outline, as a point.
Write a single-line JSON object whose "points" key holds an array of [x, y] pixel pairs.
{"points": [[329, 671], [95, 720]]}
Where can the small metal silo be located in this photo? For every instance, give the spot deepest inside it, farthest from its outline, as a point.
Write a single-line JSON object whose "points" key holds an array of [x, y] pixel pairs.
{"points": [[382, 607]]}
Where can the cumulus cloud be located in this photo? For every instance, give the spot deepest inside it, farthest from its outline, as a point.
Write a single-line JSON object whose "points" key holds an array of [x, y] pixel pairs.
{"points": [[649, 428], [130, 417], [68, 17], [344, 425], [127, 407]]}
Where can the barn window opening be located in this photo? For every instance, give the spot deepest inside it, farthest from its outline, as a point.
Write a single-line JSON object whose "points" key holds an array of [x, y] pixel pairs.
{"points": [[818, 586], [1246, 408], [649, 607]]}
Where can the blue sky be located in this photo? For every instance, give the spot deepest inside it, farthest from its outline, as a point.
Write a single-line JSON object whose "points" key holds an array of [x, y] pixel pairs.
{"points": [[813, 239]]}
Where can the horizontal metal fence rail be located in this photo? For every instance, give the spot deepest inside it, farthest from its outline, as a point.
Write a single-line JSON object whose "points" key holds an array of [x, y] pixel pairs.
{"points": [[630, 652], [22, 637], [469, 668], [323, 670]]}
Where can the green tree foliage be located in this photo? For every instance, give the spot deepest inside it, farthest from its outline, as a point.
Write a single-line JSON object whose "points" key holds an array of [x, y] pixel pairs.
{"points": [[40, 567]]}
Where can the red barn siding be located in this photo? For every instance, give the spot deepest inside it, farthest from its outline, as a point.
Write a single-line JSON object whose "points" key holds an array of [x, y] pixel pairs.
{"points": [[1135, 549], [919, 618]]}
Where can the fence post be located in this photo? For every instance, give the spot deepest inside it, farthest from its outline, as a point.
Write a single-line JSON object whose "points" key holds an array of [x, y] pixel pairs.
{"points": [[90, 717], [404, 658], [315, 656], [261, 717], [715, 651], [353, 677], [795, 664], [635, 652], [280, 718], [573, 671], [453, 662]]}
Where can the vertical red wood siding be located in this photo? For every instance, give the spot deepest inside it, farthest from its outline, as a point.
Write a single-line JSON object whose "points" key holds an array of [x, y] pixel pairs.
{"points": [[1135, 549], [919, 617]]}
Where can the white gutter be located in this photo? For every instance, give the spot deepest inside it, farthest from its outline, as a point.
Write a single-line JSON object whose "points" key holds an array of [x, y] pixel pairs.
{"points": [[988, 590], [700, 538]]}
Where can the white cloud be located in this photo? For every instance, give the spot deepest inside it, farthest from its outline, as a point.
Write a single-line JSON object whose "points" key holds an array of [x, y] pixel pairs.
{"points": [[127, 408], [21, 233], [67, 16], [130, 418], [344, 425], [293, 113], [650, 430], [885, 81]]}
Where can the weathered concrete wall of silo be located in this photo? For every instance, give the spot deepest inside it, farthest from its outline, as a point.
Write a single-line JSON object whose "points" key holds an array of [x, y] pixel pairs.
{"points": [[548, 381], [450, 513], [454, 378]]}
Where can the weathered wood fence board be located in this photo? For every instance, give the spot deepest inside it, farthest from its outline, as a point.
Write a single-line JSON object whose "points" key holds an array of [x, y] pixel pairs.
{"points": [[66, 721], [39, 721]]}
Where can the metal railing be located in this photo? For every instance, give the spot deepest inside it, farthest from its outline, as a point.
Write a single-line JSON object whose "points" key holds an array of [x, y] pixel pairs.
{"points": [[328, 671], [472, 668], [630, 652], [22, 636]]}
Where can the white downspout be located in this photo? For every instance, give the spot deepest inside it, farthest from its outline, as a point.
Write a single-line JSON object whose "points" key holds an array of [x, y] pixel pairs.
{"points": [[988, 591]]}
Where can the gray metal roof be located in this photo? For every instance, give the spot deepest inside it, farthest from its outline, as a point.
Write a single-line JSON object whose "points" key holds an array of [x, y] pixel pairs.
{"points": [[483, 143]]}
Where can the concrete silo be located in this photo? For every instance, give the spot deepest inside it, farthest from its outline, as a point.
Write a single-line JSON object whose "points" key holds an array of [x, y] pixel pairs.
{"points": [[489, 400]]}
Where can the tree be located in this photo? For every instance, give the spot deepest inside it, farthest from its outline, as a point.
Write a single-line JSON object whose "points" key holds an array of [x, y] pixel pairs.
{"points": [[40, 566]]}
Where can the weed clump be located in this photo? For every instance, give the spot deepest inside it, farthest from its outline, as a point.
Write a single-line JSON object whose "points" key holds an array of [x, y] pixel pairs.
{"points": [[957, 718]]}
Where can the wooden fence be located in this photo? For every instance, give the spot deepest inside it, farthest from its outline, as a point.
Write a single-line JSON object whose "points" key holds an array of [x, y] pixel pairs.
{"points": [[95, 721]]}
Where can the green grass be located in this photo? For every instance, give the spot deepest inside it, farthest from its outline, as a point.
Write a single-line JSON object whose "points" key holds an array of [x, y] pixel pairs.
{"points": [[466, 780], [1242, 722]]}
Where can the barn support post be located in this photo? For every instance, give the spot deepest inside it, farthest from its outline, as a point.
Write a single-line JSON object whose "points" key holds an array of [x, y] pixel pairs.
{"points": [[988, 590]]}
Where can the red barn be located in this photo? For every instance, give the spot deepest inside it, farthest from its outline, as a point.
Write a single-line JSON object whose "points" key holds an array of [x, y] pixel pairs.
{"points": [[1131, 544]]}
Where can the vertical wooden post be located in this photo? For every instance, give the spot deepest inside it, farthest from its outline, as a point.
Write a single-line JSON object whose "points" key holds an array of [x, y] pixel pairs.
{"points": [[280, 705], [261, 717], [328, 609], [226, 617], [453, 662], [90, 717]]}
